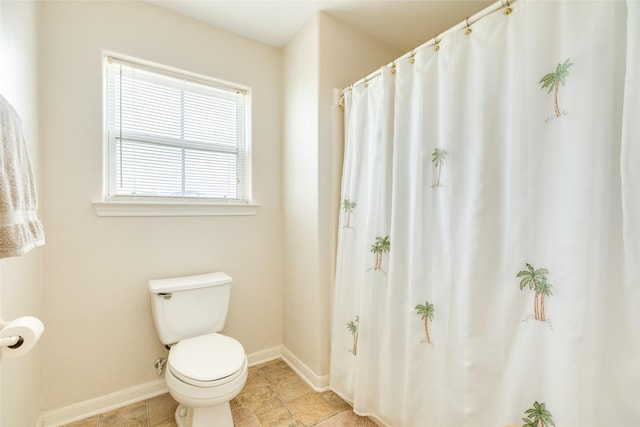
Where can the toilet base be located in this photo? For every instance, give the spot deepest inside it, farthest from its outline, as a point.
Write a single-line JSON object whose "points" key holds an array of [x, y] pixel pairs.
{"points": [[181, 416], [218, 415]]}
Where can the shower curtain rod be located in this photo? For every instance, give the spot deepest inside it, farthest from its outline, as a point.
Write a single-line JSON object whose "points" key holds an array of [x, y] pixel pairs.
{"points": [[467, 23]]}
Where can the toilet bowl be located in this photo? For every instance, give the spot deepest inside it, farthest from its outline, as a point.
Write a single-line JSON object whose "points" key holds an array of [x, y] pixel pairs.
{"points": [[203, 374], [204, 369]]}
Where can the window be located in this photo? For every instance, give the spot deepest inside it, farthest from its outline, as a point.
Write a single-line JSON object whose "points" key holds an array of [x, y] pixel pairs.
{"points": [[174, 137]]}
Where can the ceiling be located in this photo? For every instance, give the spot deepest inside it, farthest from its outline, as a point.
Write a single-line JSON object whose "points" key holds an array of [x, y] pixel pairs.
{"points": [[402, 24]]}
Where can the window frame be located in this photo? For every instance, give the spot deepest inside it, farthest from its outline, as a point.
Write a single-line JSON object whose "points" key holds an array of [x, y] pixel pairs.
{"points": [[134, 205]]}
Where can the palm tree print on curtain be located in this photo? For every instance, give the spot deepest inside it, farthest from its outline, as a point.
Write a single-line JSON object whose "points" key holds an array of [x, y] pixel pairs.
{"points": [[553, 80], [439, 154], [538, 416], [348, 206], [381, 246], [426, 311], [537, 281], [353, 328]]}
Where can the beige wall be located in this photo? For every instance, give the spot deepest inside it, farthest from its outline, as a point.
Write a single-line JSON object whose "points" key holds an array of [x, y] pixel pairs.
{"points": [[326, 54], [303, 299], [100, 336], [20, 277]]}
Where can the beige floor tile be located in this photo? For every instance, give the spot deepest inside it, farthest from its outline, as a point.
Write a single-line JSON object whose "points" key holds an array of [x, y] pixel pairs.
{"points": [[335, 401], [278, 417], [347, 418], [244, 417], [291, 388], [275, 371], [270, 362], [254, 380], [310, 409], [165, 423], [259, 400], [131, 416], [161, 410], [87, 422], [233, 404]]}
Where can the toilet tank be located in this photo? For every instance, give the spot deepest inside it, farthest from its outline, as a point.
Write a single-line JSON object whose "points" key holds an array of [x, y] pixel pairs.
{"points": [[185, 307]]}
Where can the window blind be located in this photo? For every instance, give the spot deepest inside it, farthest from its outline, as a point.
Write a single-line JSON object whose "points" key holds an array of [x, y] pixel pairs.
{"points": [[173, 136]]}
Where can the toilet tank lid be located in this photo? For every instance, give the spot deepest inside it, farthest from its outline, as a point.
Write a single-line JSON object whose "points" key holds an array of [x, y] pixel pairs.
{"points": [[184, 283]]}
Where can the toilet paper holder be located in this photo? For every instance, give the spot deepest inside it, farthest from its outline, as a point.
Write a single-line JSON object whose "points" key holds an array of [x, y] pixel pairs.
{"points": [[13, 341], [19, 336]]}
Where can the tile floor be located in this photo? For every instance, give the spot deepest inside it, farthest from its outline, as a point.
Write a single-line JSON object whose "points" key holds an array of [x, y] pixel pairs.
{"points": [[274, 396]]}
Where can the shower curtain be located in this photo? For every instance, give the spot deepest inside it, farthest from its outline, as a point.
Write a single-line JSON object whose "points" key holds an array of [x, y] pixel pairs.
{"points": [[489, 243]]}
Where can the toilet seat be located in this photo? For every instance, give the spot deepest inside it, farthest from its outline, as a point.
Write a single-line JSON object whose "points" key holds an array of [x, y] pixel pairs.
{"points": [[208, 360]]}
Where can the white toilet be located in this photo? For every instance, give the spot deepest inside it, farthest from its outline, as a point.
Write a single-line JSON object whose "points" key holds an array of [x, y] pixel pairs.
{"points": [[205, 369]]}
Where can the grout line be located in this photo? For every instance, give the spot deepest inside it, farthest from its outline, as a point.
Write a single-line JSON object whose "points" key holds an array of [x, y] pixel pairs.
{"points": [[146, 409], [269, 384], [280, 398]]}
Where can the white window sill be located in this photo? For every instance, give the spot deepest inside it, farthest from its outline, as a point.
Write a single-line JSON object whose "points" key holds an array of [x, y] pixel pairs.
{"points": [[137, 208]]}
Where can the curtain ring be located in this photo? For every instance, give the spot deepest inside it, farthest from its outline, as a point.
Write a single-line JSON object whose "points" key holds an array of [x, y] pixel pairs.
{"points": [[393, 67], [436, 45], [468, 30], [508, 10], [412, 57]]}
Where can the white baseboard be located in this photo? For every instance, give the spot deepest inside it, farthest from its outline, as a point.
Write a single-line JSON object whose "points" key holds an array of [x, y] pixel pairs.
{"points": [[105, 403], [111, 401], [263, 356], [315, 381]]}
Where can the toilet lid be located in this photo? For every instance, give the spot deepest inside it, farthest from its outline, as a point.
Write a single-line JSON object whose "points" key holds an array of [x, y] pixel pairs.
{"points": [[207, 357]]}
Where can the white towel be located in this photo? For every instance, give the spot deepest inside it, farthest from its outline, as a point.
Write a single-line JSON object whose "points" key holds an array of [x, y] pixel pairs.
{"points": [[20, 228]]}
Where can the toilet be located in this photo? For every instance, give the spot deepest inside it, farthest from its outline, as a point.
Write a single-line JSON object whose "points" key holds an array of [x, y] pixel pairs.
{"points": [[204, 369]]}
